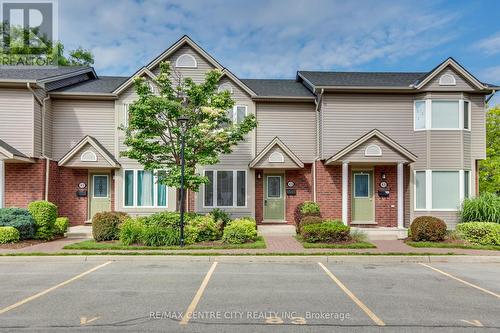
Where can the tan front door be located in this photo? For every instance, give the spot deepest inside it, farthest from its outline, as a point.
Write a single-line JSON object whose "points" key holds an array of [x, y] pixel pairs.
{"points": [[274, 198], [100, 198]]}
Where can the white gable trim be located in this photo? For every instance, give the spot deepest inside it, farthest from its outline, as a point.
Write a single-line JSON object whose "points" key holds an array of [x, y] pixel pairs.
{"points": [[240, 84], [87, 140], [456, 66], [374, 133], [141, 72], [276, 142]]}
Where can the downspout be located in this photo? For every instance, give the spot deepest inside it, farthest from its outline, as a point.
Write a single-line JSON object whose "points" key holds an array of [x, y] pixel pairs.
{"points": [[318, 108], [47, 160], [493, 92]]}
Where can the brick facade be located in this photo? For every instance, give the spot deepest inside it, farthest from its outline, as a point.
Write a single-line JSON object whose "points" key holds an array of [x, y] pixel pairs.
{"points": [[329, 193], [24, 183], [75, 208]]}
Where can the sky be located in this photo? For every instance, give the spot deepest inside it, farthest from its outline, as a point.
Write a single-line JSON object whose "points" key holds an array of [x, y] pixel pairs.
{"points": [[275, 38]]}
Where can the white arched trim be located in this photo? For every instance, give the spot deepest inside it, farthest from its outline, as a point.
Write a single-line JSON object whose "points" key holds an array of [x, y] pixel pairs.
{"points": [[276, 157], [186, 61], [447, 80], [225, 86], [373, 150], [88, 156]]}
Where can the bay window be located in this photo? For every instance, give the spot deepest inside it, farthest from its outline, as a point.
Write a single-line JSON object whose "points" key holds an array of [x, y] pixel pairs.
{"points": [[142, 189], [440, 190], [226, 188], [441, 115]]}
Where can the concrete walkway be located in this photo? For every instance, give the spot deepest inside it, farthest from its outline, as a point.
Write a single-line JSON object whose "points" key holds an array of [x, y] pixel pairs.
{"points": [[278, 238]]}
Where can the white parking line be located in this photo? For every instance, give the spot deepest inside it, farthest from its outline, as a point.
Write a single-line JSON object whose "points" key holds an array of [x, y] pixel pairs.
{"points": [[46, 291], [356, 300], [189, 312], [460, 280]]}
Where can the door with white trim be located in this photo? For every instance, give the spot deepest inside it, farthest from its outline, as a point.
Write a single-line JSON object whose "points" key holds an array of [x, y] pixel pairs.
{"points": [[100, 198]]}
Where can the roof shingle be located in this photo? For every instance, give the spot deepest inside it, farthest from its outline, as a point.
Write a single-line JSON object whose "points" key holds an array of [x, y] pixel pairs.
{"points": [[362, 79], [277, 88], [103, 84]]}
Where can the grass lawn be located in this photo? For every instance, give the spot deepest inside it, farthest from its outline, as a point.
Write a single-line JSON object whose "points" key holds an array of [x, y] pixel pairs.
{"points": [[116, 245], [350, 245], [450, 245]]}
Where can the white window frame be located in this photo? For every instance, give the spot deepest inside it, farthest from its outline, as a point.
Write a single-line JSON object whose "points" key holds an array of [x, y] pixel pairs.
{"points": [[107, 186], [428, 115], [443, 77], [134, 191], [428, 190], [225, 86], [281, 186], [235, 185], [183, 66], [125, 107], [88, 152], [235, 112], [361, 173]]}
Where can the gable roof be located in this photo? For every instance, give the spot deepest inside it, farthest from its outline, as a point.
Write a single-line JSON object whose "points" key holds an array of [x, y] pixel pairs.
{"points": [[276, 142], [11, 152], [130, 80], [455, 65], [373, 133], [96, 145], [278, 88]]}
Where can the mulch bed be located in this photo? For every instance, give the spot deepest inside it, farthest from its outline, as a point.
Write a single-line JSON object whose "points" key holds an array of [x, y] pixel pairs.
{"points": [[25, 243]]}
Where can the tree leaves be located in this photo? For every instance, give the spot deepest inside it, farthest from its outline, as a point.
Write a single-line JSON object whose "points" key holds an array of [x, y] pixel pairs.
{"points": [[153, 134], [489, 170]]}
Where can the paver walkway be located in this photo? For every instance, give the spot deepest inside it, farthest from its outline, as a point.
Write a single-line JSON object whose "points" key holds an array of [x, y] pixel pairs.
{"points": [[279, 239]]}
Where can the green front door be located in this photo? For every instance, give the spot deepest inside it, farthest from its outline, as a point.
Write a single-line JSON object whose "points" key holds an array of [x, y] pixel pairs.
{"points": [[274, 198], [362, 196], [100, 199]]}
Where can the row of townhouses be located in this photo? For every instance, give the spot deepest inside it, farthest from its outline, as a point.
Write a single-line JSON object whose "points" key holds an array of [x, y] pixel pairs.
{"points": [[373, 149]]}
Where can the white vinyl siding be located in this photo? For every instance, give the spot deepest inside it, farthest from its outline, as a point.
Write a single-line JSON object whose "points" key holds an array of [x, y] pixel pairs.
{"points": [[226, 188]]}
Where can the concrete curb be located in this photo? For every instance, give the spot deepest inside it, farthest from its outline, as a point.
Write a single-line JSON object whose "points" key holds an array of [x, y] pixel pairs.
{"points": [[401, 259]]}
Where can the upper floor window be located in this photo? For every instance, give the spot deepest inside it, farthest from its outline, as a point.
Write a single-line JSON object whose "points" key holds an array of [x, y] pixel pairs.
{"points": [[237, 114], [186, 61], [447, 80], [441, 114]]}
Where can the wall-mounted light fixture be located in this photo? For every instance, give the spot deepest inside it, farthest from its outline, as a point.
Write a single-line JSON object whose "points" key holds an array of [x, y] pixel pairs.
{"points": [[383, 175], [259, 175]]}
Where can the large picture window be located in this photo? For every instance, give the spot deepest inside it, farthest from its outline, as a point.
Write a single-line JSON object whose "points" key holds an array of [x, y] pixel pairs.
{"points": [[441, 115], [226, 188], [440, 190], [141, 189]]}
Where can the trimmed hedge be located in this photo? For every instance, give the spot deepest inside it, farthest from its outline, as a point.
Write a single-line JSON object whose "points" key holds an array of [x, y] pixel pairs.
{"points": [[61, 225], [330, 231], [8, 235], [45, 214], [483, 208], [168, 219], [428, 228], [20, 219], [307, 208], [105, 225], [240, 231], [483, 233], [306, 220]]}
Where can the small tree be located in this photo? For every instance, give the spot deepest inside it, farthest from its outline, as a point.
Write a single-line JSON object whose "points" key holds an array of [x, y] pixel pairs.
{"points": [[489, 170], [153, 135]]}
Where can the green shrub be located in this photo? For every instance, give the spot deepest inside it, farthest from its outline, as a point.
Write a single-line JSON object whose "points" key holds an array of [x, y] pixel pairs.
{"points": [[326, 232], [428, 228], [308, 208], [105, 225], [483, 208], [358, 236], [45, 214], [483, 233], [131, 231], [155, 235], [168, 219], [9, 235], [240, 231], [307, 220], [207, 228], [221, 217], [20, 219], [61, 225]]}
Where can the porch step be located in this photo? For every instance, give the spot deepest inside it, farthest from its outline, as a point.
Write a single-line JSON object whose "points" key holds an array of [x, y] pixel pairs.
{"points": [[383, 233], [276, 229], [79, 231]]}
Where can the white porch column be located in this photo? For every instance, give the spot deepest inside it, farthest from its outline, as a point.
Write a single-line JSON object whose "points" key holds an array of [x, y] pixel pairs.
{"points": [[400, 196], [2, 183], [345, 192]]}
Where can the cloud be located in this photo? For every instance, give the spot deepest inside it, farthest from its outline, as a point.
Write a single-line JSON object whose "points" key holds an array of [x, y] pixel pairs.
{"points": [[489, 45], [258, 38], [490, 74]]}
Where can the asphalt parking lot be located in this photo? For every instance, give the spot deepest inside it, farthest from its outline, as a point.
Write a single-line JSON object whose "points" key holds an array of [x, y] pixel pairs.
{"points": [[198, 296]]}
